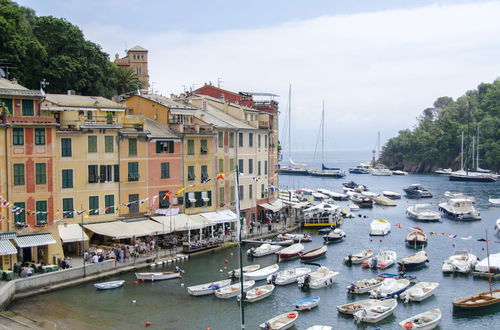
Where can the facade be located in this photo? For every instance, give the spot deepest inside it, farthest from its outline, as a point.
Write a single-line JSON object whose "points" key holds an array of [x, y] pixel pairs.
{"points": [[137, 59]]}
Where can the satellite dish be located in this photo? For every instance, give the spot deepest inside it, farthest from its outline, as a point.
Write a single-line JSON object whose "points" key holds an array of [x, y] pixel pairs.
{"points": [[2, 73]]}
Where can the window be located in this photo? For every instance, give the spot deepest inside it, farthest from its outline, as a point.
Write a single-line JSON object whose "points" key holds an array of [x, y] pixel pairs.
{"points": [[108, 143], [265, 167], [240, 165], [67, 178], [250, 140], [206, 198], [20, 215], [231, 193], [133, 199], [259, 163], [67, 208], [132, 147], [18, 174], [133, 171], [28, 108], [164, 147], [191, 175], [265, 141], [221, 194], [262, 191], [240, 139], [259, 140], [40, 136], [231, 140], [231, 164], [250, 191], [220, 139], [41, 173], [92, 143], [138, 71], [190, 147], [204, 172], [66, 147], [18, 136], [165, 170], [221, 165], [106, 173], [41, 213], [250, 166], [8, 104], [93, 174], [109, 204], [90, 115], [203, 147], [164, 202], [190, 199], [241, 196], [93, 205], [116, 174]]}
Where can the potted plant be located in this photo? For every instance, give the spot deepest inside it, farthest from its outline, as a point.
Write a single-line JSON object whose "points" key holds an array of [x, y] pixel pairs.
{"points": [[109, 117]]}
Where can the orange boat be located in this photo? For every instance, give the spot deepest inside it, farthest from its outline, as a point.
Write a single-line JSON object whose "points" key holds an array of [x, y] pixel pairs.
{"points": [[478, 300]]}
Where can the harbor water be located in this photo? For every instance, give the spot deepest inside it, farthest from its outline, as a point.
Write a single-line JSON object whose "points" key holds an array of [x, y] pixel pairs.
{"points": [[167, 305]]}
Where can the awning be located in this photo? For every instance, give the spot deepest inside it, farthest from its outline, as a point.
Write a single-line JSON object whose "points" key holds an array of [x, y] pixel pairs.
{"points": [[274, 206], [8, 235], [6, 248], [181, 222], [124, 229], [34, 240], [72, 233], [219, 216]]}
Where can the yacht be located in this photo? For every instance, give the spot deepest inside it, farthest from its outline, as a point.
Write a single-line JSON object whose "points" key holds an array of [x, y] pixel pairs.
{"points": [[417, 191], [381, 170], [443, 171], [422, 212], [460, 209], [361, 169]]}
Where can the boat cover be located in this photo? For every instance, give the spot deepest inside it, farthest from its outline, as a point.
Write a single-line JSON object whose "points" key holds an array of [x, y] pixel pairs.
{"points": [[482, 266]]}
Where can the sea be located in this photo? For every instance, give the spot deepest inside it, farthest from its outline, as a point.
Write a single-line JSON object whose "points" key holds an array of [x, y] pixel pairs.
{"points": [[167, 305]]}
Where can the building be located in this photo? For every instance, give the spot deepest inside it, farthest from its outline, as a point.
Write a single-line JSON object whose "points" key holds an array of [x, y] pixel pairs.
{"points": [[137, 59]]}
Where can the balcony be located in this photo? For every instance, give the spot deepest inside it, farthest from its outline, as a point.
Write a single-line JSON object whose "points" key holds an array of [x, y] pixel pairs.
{"points": [[263, 124]]}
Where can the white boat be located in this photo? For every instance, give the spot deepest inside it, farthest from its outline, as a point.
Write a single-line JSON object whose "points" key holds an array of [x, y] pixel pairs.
{"points": [[320, 327], [335, 236], [443, 171], [233, 290], [281, 322], [485, 268], [298, 238], [359, 257], [419, 292], [391, 194], [384, 201], [460, 209], [235, 273], [307, 304], [365, 285], [288, 276], [109, 285], [207, 288], [370, 194], [414, 260], [258, 293], [381, 170], [451, 195], [359, 305], [263, 250], [157, 276], [399, 172], [353, 207], [261, 274], [494, 201], [376, 313], [390, 288], [460, 262], [423, 321], [379, 227], [383, 260], [422, 212], [497, 227], [318, 279]]}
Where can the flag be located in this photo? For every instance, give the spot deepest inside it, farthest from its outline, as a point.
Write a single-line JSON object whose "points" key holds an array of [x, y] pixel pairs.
{"points": [[466, 238], [166, 196], [399, 225], [483, 240], [5, 203], [128, 204], [179, 192], [204, 180], [417, 228], [80, 212], [271, 187], [220, 176]]}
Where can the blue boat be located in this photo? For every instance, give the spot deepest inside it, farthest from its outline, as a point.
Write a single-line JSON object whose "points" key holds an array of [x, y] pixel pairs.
{"points": [[306, 304], [335, 236], [397, 276], [325, 230]]}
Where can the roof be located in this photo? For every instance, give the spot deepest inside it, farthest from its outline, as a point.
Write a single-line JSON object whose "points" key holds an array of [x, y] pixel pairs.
{"points": [[12, 88], [169, 103], [124, 229], [138, 49], [222, 119], [157, 130], [81, 101]]}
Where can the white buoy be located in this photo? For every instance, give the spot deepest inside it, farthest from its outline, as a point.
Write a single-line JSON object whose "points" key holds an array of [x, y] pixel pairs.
{"points": [[134, 301], [220, 270], [182, 284], [152, 265]]}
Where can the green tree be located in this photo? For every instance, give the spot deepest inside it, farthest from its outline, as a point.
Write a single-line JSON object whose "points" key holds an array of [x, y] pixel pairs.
{"points": [[127, 80]]}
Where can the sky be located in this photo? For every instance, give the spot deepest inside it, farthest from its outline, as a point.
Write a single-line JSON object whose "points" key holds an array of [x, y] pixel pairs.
{"points": [[376, 64]]}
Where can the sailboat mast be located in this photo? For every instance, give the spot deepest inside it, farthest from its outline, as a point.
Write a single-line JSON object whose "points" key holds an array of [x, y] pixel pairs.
{"points": [[290, 125], [473, 151], [378, 146], [466, 162], [322, 134], [462, 153], [488, 258], [477, 149]]}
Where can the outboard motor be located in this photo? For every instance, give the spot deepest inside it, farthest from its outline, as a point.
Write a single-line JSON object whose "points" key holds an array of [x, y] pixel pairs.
{"points": [[351, 287], [305, 281], [348, 261], [271, 279], [373, 263], [251, 252]]}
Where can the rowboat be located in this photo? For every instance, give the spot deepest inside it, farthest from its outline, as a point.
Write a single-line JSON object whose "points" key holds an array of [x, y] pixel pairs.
{"points": [[416, 239], [379, 227], [207, 288], [384, 201], [263, 250], [376, 313], [478, 300], [318, 279], [365, 285], [109, 285], [235, 273], [414, 260], [358, 258], [314, 254], [335, 236], [261, 274], [356, 306], [288, 276], [158, 276], [383, 260], [281, 322], [290, 252], [419, 292], [257, 293], [306, 304], [424, 321], [390, 288], [233, 290]]}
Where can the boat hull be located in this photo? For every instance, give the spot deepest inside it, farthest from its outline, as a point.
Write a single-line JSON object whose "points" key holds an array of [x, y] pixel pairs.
{"points": [[471, 178], [314, 254], [478, 301], [156, 276], [109, 285]]}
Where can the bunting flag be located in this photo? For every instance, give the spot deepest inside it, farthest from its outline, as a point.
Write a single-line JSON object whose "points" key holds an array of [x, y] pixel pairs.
{"points": [[417, 228], [399, 225], [220, 176], [271, 187], [256, 179], [166, 196], [204, 180]]}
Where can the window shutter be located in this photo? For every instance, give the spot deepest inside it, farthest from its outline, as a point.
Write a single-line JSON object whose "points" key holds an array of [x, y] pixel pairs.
{"points": [[158, 147], [102, 173], [116, 172], [171, 147]]}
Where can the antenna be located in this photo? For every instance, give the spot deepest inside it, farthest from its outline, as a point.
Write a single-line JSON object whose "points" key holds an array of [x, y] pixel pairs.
{"points": [[43, 83], [219, 82]]}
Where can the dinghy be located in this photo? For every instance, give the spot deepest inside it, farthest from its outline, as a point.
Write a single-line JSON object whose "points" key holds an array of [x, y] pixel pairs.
{"points": [[416, 239], [233, 290], [419, 292], [306, 304], [290, 252], [338, 235], [376, 313], [359, 305], [460, 262], [257, 293], [414, 260], [422, 212], [263, 250], [279, 241], [207, 288], [281, 322], [318, 279], [261, 274], [364, 285], [159, 276], [384, 201], [390, 288], [325, 230], [478, 300], [380, 227], [314, 254], [357, 258], [235, 273], [391, 194], [423, 321], [109, 285], [383, 260], [288, 276]]}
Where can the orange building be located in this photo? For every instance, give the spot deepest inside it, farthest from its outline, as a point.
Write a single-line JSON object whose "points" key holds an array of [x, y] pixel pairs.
{"points": [[137, 59]]}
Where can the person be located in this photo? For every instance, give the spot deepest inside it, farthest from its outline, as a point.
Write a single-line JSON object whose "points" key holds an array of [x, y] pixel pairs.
{"points": [[127, 253], [122, 254], [86, 256], [101, 258], [95, 258]]}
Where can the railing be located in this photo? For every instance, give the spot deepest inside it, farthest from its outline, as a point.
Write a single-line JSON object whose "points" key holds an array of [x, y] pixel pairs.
{"points": [[263, 124]]}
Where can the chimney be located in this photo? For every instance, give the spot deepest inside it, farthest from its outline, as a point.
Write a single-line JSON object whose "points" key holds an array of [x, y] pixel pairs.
{"points": [[71, 92]]}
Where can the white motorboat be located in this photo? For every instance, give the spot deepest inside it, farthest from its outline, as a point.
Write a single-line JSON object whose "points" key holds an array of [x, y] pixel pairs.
{"points": [[359, 257], [335, 236], [422, 212], [459, 209], [460, 262], [207, 288], [109, 285], [384, 201], [157, 276], [381, 170], [491, 267], [257, 293], [307, 304], [359, 305], [451, 195], [365, 285], [443, 171], [391, 194], [419, 292], [279, 241], [318, 279], [494, 201], [261, 274], [424, 321], [370, 194], [376, 313], [390, 288], [235, 273], [298, 238], [233, 290], [280, 322], [263, 250], [399, 172], [379, 227], [383, 260], [353, 207], [288, 276]]}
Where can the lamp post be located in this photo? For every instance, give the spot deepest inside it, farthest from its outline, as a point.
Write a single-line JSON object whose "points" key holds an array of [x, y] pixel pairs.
{"points": [[237, 199]]}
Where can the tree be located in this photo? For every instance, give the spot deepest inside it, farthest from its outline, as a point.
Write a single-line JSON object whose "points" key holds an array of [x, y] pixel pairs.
{"points": [[127, 81]]}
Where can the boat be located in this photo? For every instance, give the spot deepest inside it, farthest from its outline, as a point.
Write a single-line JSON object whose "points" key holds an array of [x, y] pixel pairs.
{"points": [[399, 172], [424, 321], [384, 201], [460, 262], [320, 327], [417, 191], [353, 185], [419, 292], [207, 288], [257, 293], [335, 236], [414, 260], [314, 253], [235, 273], [494, 201], [478, 300], [337, 196], [398, 276], [488, 268], [109, 285], [325, 230], [416, 239], [306, 304], [318, 279], [379, 227], [359, 305], [422, 212], [298, 238], [321, 215], [443, 171], [359, 257], [376, 313], [451, 195], [288, 276], [362, 168], [381, 170], [391, 194], [362, 201], [261, 274], [383, 260], [233, 290], [278, 241], [290, 252], [364, 285], [157, 276], [353, 207], [390, 288], [471, 176], [370, 194], [281, 322], [263, 250], [459, 209]]}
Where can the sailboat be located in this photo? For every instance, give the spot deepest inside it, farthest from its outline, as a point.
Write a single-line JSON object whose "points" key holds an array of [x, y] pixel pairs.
{"points": [[330, 172]]}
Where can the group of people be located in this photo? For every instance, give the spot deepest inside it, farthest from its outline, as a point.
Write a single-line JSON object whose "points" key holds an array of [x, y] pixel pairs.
{"points": [[269, 219]]}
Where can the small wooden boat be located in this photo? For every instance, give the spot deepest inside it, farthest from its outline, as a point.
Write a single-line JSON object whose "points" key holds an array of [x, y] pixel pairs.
{"points": [[109, 285], [494, 201], [235, 273], [288, 276], [416, 239], [290, 252], [390, 288], [261, 274], [207, 288], [391, 194], [384, 201], [423, 321], [158, 276], [478, 300], [257, 293], [263, 250], [383, 260], [397, 276], [314, 254], [318, 279], [281, 322], [376, 313], [414, 260], [306, 304], [365, 285], [359, 305], [233, 290], [335, 236], [379, 227], [359, 257], [419, 292]]}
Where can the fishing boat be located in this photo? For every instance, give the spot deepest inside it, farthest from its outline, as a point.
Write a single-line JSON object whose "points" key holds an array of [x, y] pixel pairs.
{"points": [[460, 262], [398, 276], [364, 285], [318, 279], [488, 267], [391, 194], [362, 201], [376, 313], [261, 274], [417, 191], [257, 293], [263, 250], [419, 292], [359, 257], [459, 209], [414, 260], [288, 276], [281, 322], [109, 285], [235, 273], [207, 288], [424, 321], [357, 306], [384, 201], [383, 260], [390, 288], [494, 201], [379, 227], [233, 290], [416, 239], [157, 276], [335, 236], [293, 251], [381, 170], [478, 300], [306, 304], [422, 212], [399, 172], [314, 253]]}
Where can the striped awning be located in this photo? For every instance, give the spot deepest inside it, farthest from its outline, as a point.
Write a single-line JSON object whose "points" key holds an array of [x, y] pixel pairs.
{"points": [[6, 248], [72, 232], [34, 240], [8, 235]]}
